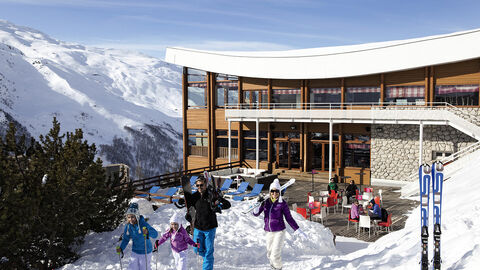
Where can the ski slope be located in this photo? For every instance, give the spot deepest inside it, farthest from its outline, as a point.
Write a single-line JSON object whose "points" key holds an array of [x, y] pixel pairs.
{"points": [[240, 241]]}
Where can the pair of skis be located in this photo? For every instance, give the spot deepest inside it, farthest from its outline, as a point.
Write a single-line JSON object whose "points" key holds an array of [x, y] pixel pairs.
{"points": [[282, 188], [434, 175]]}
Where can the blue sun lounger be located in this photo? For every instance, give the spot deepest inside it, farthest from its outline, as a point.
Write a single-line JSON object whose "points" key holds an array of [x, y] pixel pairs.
{"points": [[241, 189], [255, 192]]}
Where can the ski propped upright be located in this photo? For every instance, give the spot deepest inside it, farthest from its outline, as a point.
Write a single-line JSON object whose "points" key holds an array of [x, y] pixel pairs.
{"points": [[282, 188], [437, 184], [424, 176]]}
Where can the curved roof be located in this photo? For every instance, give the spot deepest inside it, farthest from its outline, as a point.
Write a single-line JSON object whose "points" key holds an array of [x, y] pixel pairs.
{"points": [[334, 62]]}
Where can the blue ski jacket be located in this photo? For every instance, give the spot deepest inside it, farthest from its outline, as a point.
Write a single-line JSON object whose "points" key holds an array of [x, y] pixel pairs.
{"points": [[133, 232]]}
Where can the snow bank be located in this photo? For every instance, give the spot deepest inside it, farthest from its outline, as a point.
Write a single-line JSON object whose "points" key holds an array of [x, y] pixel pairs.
{"points": [[240, 242]]}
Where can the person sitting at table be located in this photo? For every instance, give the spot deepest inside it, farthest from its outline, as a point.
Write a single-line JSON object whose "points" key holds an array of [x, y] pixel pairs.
{"points": [[351, 190], [375, 212], [332, 186], [356, 210]]}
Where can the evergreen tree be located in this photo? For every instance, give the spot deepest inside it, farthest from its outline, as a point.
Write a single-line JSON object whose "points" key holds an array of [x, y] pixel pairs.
{"points": [[44, 220]]}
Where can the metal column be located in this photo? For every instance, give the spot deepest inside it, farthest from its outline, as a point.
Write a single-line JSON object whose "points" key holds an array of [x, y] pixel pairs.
{"points": [[257, 143], [330, 149], [229, 142], [420, 155]]}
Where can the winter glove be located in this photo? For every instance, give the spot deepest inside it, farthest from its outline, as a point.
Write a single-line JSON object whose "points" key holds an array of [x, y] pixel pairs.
{"points": [[120, 251], [155, 246], [145, 231], [300, 233], [260, 199], [181, 201]]}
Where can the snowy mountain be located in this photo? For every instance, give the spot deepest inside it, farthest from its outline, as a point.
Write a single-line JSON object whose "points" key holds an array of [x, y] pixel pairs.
{"points": [[127, 103]]}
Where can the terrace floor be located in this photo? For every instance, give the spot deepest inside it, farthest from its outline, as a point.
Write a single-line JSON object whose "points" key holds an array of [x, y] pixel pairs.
{"points": [[398, 207]]}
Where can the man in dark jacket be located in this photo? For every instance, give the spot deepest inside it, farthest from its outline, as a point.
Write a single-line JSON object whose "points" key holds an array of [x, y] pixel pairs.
{"points": [[206, 203], [351, 190]]}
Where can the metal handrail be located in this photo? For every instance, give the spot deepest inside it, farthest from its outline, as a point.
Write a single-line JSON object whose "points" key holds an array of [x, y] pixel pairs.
{"points": [[373, 105], [453, 157]]}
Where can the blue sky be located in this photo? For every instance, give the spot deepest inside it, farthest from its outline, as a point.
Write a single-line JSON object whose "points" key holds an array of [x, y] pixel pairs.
{"points": [[151, 25]]}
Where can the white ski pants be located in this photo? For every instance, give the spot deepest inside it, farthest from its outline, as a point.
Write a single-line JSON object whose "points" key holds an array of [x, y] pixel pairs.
{"points": [[180, 259], [137, 261], [274, 248]]}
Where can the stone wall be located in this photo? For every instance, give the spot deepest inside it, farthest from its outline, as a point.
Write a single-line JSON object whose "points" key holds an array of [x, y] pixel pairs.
{"points": [[394, 148]]}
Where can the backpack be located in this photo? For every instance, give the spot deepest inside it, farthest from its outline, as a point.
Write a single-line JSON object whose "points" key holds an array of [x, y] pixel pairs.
{"points": [[384, 214]]}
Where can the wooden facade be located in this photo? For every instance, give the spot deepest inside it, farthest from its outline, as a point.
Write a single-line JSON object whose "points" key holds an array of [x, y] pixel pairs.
{"points": [[211, 118]]}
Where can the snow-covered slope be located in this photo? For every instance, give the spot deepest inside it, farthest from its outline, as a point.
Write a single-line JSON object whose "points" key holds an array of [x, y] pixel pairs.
{"points": [[240, 242], [108, 93]]}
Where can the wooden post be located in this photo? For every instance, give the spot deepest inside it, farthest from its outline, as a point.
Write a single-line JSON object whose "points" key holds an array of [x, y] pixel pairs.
{"points": [[382, 89], [184, 114]]}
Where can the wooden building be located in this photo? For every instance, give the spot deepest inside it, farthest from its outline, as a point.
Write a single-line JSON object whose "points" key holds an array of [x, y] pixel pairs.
{"points": [[327, 108]]}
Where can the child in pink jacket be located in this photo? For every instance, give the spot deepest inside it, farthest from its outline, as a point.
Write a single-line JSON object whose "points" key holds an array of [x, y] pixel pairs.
{"points": [[179, 240]]}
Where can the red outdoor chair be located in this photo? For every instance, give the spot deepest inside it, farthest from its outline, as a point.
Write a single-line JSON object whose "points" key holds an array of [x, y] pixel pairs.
{"points": [[387, 225], [317, 208], [330, 202], [302, 211], [351, 220]]}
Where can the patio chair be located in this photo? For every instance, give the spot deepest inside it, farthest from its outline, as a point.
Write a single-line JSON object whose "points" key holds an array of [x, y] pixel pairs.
{"points": [[321, 213], [226, 184], [241, 189], [351, 220], [345, 204], [330, 202], [167, 197], [387, 225], [364, 222], [254, 193], [146, 195], [302, 211]]}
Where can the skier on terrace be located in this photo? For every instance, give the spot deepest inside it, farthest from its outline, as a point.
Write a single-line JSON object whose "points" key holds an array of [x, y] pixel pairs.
{"points": [[275, 210]]}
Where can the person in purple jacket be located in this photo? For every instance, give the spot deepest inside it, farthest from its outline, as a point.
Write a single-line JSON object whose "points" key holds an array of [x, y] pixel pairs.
{"points": [[179, 241], [275, 210]]}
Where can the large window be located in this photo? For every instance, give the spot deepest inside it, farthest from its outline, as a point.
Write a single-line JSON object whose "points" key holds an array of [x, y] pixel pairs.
{"points": [[255, 97], [286, 98], [197, 142], [222, 144], [226, 89], [197, 88], [459, 95], [363, 95], [405, 95], [325, 95], [249, 145], [356, 151]]}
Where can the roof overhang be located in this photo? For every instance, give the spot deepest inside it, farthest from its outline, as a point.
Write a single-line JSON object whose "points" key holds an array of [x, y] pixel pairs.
{"points": [[334, 62]]}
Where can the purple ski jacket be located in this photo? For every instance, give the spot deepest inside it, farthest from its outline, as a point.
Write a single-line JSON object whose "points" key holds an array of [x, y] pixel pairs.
{"points": [[274, 213], [178, 239]]}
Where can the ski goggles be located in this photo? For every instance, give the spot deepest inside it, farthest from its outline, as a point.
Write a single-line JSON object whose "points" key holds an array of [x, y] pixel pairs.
{"points": [[274, 191]]}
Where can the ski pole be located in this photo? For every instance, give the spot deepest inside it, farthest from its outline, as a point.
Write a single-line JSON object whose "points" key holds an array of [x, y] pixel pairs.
{"points": [[120, 258], [145, 238]]}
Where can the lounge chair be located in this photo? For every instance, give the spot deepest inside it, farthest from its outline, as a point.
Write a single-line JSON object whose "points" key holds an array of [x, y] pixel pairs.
{"points": [[254, 193], [226, 184], [241, 189], [167, 197], [145, 194]]}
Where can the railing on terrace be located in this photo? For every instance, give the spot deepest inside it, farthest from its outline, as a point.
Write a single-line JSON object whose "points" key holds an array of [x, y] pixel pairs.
{"points": [[351, 105], [173, 179]]}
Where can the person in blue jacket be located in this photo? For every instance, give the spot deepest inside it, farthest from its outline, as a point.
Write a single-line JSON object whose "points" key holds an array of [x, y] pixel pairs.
{"points": [[375, 212], [140, 232]]}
